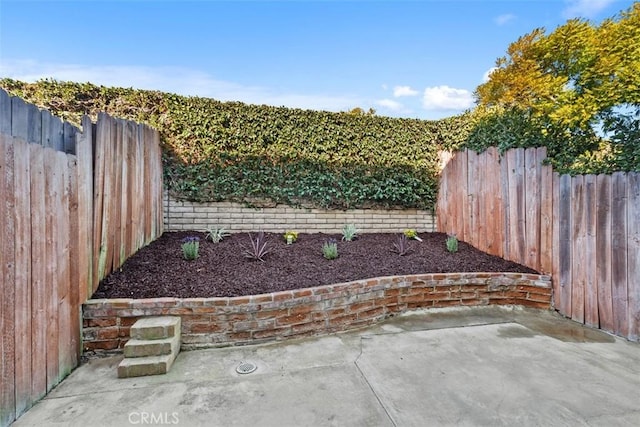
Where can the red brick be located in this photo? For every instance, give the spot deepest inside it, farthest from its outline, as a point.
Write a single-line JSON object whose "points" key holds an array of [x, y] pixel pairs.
{"points": [[422, 304], [359, 306], [100, 345], [239, 300], [502, 300], [535, 304], [177, 311], [473, 301], [270, 314], [539, 298], [235, 317], [305, 327], [240, 336], [304, 309], [392, 292], [124, 332], [385, 301], [293, 319], [447, 303], [302, 293], [107, 333], [268, 333], [412, 299], [203, 328], [343, 320], [257, 299], [370, 314], [282, 296], [100, 323]]}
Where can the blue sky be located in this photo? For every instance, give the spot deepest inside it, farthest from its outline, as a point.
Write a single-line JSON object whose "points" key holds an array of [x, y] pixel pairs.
{"points": [[417, 59]]}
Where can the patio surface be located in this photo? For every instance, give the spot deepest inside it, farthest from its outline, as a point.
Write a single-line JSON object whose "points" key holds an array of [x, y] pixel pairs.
{"points": [[487, 366]]}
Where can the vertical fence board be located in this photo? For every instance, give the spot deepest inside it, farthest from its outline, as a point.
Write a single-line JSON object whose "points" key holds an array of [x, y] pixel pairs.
{"points": [[130, 189], [84, 150], [619, 253], [51, 237], [102, 136], [578, 234], [633, 255], [517, 204], [493, 203], [591, 288], [7, 279], [506, 207], [5, 113], [532, 209], [546, 214], [19, 118], [117, 194], [442, 204], [34, 125], [565, 247], [603, 251], [139, 186], [555, 242], [74, 257], [69, 139], [125, 222], [469, 206], [22, 277], [159, 179], [38, 261], [63, 267]]}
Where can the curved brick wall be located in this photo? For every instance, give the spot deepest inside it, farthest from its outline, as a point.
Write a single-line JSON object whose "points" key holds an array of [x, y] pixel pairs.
{"points": [[215, 322]]}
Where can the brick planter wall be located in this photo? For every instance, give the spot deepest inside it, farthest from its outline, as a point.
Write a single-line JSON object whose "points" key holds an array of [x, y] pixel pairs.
{"points": [[216, 322], [235, 217]]}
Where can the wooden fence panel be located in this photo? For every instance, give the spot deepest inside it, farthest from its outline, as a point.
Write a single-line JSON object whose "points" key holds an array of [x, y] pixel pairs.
{"points": [[591, 289], [469, 205], [546, 213], [22, 276], [603, 252], [532, 208], [493, 203], [565, 250], [558, 286], [39, 283], [5, 113], [618, 253], [460, 222], [506, 207], [633, 255], [7, 281], [84, 196], [578, 251]]}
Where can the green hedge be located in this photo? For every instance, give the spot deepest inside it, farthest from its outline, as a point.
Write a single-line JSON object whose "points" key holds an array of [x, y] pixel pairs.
{"points": [[234, 151]]}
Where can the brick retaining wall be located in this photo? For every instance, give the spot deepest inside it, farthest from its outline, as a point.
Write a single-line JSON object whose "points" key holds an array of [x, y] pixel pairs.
{"points": [[235, 217], [216, 322]]}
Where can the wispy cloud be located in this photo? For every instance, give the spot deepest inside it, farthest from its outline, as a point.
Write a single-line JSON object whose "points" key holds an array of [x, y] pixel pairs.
{"points": [[585, 8], [446, 98], [390, 104], [178, 80], [399, 91], [504, 19]]}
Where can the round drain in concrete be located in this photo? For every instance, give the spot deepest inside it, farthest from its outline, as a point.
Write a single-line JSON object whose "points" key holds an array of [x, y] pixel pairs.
{"points": [[246, 368]]}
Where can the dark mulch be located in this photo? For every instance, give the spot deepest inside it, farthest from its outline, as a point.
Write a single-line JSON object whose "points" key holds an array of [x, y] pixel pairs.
{"points": [[158, 270]]}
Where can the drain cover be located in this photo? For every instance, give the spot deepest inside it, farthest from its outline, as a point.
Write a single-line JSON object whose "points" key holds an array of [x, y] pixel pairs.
{"points": [[246, 368]]}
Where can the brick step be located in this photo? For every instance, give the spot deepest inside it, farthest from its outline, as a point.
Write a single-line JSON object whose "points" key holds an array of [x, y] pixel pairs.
{"points": [[155, 328], [159, 347], [143, 366]]}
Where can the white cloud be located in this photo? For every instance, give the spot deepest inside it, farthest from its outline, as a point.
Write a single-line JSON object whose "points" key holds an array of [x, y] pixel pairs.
{"points": [[178, 80], [584, 8], [503, 19], [485, 76], [446, 98], [390, 104], [399, 91]]}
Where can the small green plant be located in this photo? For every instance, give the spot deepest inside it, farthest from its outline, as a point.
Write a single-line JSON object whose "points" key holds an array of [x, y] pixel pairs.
{"points": [[216, 234], [349, 232], [190, 247], [330, 249], [401, 246], [412, 234], [452, 243], [258, 248], [290, 236]]}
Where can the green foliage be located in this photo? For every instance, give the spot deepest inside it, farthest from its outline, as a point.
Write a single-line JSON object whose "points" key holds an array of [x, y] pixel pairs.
{"points": [[401, 245], [410, 233], [330, 249], [190, 247], [258, 248], [216, 234], [452, 244], [290, 236], [562, 89], [349, 232], [233, 151]]}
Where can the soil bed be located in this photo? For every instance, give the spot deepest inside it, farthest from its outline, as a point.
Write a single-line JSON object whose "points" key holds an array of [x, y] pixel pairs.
{"points": [[222, 270]]}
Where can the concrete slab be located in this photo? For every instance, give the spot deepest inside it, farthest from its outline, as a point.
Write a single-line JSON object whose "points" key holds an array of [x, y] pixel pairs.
{"points": [[464, 366]]}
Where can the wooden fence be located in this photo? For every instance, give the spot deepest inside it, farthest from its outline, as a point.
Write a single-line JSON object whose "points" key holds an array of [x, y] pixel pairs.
{"points": [[56, 212], [583, 230]]}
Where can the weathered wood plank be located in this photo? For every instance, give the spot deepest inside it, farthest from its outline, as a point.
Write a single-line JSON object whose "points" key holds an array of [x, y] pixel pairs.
{"points": [[159, 185], [69, 138], [75, 254], [5, 113], [147, 185], [517, 233], [51, 237], [546, 213], [565, 246], [469, 205], [578, 234], [52, 131], [129, 194], [34, 125], [22, 264], [532, 208], [603, 251], [19, 118], [103, 136], [591, 288], [139, 225], [619, 253], [63, 276], [7, 279], [39, 294], [555, 241], [117, 195], [493, 204], [633, 255], [506, 207], [84, 149]]}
